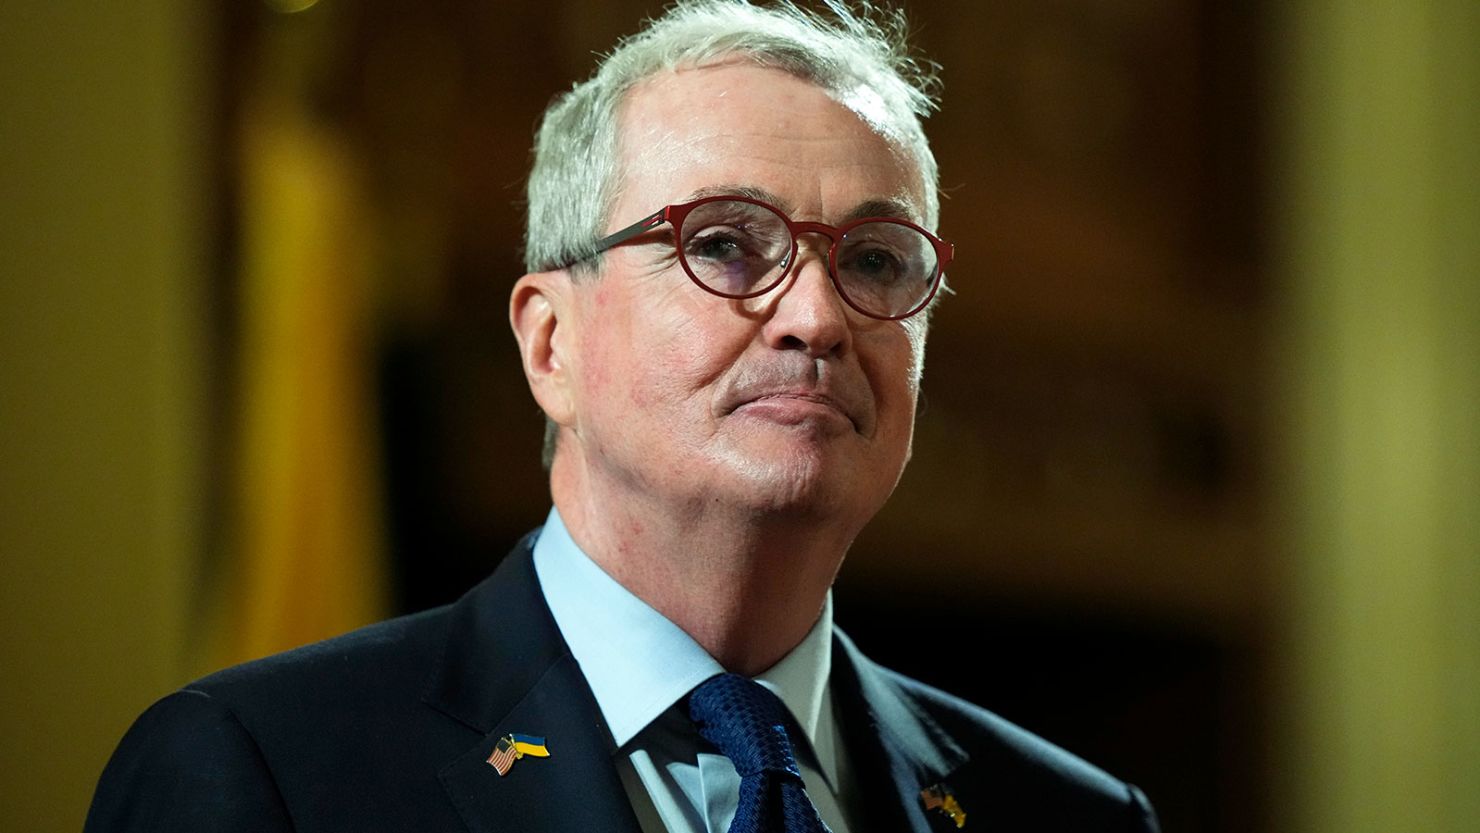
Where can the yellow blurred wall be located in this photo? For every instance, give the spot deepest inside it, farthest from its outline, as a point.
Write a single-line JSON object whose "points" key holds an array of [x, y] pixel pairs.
{"points": [[1380, 183], [102, 283]]}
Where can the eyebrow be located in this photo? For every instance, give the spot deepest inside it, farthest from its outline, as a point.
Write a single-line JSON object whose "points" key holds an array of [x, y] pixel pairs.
{"points": [[894, 209], [737, 191]]}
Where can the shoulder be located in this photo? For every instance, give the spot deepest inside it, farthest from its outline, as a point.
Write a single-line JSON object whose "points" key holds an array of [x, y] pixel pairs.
{"points": [[334, 704], [349, 733], [1025, 778], [386, 660], [986, 735], [187, 764], [238, 749]]}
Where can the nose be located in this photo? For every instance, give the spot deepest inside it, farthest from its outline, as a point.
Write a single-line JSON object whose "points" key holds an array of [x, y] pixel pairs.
{"points": [[807, 312]]}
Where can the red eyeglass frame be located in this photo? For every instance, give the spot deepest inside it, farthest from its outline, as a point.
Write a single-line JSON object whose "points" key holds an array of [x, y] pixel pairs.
{"points": [[675, 214]]}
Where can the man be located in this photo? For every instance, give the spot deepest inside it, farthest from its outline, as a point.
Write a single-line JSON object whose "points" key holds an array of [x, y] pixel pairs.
{"points": [[724, 322]]}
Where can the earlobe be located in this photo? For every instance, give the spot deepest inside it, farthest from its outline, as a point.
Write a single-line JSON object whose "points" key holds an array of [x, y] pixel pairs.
{"points": [[539, 314]]}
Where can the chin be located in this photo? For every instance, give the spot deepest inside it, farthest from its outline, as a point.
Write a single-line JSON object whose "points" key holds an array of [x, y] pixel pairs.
{"points": [[802, 482]]}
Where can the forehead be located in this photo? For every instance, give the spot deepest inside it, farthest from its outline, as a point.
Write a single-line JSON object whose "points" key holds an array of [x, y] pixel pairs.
{"points": [[686, 131]]}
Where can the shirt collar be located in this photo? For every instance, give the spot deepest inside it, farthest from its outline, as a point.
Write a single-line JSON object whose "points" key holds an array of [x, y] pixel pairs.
{"points": [[638, 663]]}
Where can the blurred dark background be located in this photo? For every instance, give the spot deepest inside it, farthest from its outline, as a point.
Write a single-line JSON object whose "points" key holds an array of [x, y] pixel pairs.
{"points": [[1139, 484]]}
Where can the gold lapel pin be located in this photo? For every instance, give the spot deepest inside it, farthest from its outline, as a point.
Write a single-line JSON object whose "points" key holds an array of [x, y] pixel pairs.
{"points": [[938, 797], [512, 747]]}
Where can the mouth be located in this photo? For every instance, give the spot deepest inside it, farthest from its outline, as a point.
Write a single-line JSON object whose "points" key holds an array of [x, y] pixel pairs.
{"points": [[797, 408]]}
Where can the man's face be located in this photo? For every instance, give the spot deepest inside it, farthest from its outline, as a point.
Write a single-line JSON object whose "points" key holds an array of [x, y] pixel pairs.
{"points": [[788, 402]]}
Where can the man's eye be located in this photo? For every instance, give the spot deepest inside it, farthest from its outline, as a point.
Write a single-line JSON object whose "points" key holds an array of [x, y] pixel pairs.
{"points": [[718, 245], [875, 264]]}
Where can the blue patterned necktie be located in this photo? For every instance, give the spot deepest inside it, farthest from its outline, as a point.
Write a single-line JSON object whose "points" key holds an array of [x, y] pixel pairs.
{"points": [[748, 724]]}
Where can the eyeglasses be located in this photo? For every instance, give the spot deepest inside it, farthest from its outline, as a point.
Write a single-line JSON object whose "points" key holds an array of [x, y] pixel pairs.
{"points": [[737, 247]]}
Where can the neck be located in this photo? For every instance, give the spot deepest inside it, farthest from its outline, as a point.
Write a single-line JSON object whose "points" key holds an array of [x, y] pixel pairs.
{"points": [[746, 585]]}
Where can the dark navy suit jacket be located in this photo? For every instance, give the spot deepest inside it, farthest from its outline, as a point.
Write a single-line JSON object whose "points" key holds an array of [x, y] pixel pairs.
{"points": [[388, 728]]}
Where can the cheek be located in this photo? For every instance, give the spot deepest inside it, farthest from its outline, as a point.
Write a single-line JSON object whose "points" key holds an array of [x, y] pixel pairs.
{"points": [[915, 329], [654, 357], [604, 330], [896, 378], [689, 351]]}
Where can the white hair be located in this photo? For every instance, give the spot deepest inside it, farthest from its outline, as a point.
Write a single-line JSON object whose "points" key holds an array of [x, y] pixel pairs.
{"points": [[574, 179]]}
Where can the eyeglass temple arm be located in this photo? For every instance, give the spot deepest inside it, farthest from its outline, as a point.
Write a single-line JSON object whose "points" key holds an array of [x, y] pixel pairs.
{"points": [[647, 223]]}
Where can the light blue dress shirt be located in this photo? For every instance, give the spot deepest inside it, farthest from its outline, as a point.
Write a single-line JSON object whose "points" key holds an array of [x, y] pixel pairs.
{"points": [[640, 665]]}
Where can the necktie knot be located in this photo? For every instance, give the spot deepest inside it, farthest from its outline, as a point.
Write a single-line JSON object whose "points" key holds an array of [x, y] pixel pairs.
{"points": [[746, 722], [749, 724]]}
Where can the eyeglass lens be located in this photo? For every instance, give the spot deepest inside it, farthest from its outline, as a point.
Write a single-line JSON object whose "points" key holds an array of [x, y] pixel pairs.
{"points": [[740, 249]]}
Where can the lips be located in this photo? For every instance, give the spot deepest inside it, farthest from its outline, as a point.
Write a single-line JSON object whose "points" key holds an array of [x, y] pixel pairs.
{"points": [[791, 408], [792, 400]]}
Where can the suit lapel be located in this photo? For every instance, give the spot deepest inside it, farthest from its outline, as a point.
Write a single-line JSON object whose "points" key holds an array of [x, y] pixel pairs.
{"points": [[897, 751], [505, 669]]}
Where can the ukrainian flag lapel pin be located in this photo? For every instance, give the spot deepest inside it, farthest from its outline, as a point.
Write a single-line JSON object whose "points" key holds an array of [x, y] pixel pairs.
{"points": [[512, 747], [938, 797]]}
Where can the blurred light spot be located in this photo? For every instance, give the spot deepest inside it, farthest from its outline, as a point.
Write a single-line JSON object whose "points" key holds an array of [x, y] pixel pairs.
{"points": [[290, 6]]}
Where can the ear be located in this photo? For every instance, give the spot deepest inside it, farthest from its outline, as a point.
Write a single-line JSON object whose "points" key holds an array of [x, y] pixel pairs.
{"points": [[540, 313]]}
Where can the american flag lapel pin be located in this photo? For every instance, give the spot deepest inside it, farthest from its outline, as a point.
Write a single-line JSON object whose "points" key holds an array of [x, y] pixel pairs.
{"points": [[512, 747], [938, 797]]}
